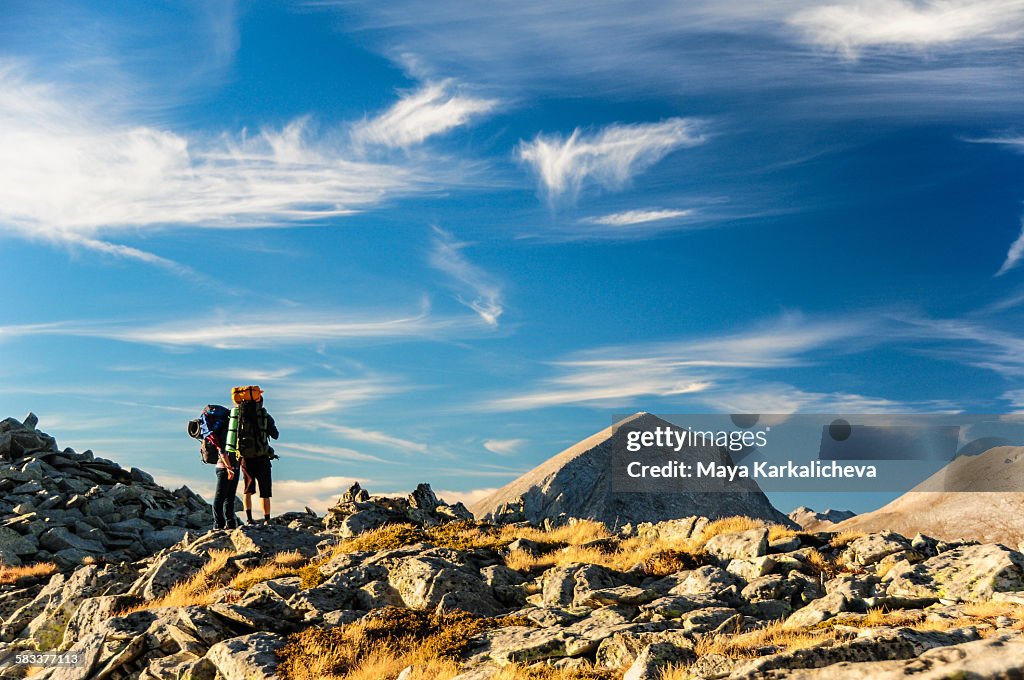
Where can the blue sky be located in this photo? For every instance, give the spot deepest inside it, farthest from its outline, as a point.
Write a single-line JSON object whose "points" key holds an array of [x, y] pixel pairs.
{"points": [[451, 241]]}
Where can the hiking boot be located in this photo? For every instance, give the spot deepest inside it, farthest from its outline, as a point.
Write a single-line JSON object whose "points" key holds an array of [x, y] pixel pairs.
{"points": [[252, 522]]}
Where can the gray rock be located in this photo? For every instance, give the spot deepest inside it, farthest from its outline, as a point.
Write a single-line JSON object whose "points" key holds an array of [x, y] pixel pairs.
{"points": [[739, 545], [170, 569], [712, 620], [423, 581], [706, 580], [654, 658], [996, 657], [13, 542], [872, 548], [966, 573], [818, 610], [517, 644], [248, 657], [621, 649], [163, 538], [887, 644]]}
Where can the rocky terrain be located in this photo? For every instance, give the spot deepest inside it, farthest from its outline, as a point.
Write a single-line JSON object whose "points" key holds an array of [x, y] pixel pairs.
{"points": [[62, 506], [578, 483], [411, 588], [976, 497]]}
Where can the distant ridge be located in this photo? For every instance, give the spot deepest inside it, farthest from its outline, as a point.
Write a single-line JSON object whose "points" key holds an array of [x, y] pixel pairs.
{"points": [[578, 483], [974, 497]]}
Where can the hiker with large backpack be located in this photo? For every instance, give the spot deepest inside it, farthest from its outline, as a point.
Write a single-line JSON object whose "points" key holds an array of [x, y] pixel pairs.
{"points": [[249, 428], [211, 429]]}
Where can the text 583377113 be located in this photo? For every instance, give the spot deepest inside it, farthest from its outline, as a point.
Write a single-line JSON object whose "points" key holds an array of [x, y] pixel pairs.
{"points": [[42, 659]]}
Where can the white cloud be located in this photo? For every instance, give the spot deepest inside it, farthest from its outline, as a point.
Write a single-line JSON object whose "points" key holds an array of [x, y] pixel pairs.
{"points": [[128, 253], [294, 495], [262, 331], [503, 447], [632, 217], [303, 398], [781, 398], [1016, 398], [372, 437], [969, 342], [620, 374], [849, 27], [1014, 255], [484, 295], [328, 454], [69, 170], [609, 158], [431, 110]]}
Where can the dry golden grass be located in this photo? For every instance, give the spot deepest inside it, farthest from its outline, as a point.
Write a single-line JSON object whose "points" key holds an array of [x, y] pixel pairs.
{"points": [[777, 531], [15, 575], [819, 564], [773, 637], [383, 643], [283, 564], [659, 556], [577, 533], [675, 671], [290, 558], [519, 672], [200, 589], [844, 538]]}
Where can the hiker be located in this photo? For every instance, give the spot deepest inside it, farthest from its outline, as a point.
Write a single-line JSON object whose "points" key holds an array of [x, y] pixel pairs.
{"points": [[227, 486], [211, 429], [248, 430]]}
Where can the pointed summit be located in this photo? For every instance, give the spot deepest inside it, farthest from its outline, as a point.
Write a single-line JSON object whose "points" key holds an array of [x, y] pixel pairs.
{"points": [[578, 482]]}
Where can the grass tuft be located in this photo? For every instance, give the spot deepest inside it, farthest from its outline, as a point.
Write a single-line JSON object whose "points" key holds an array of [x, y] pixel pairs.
{"points": [[18, 575], [199, 589], [383, 643], [845, 538]]}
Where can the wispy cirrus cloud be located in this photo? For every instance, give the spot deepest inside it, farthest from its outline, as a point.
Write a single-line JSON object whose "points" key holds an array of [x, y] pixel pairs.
{"points": [[367, 436], [503, 447], [69, 170], [474, 287], [725, 48], [432, 110], [322, 453], [608, 158], [266, 330], [703, 367], [849, 27], [1014, 254], [629, 218], [775, 397], [969, 341]]}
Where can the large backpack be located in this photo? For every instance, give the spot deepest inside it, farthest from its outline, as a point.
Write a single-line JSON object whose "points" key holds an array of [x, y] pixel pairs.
{"points": [[247, 393], [252, 440], [213, 420]]}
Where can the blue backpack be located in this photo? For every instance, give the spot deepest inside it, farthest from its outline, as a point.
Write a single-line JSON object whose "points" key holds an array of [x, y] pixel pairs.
{"points": [[214, 420]]}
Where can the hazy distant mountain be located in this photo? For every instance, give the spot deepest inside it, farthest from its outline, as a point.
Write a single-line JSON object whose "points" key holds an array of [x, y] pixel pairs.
{"points": [[819, 521], [974, 497]]}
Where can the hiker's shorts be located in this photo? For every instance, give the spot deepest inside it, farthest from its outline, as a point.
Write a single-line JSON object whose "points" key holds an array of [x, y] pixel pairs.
{"points": [[257, 471]]}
